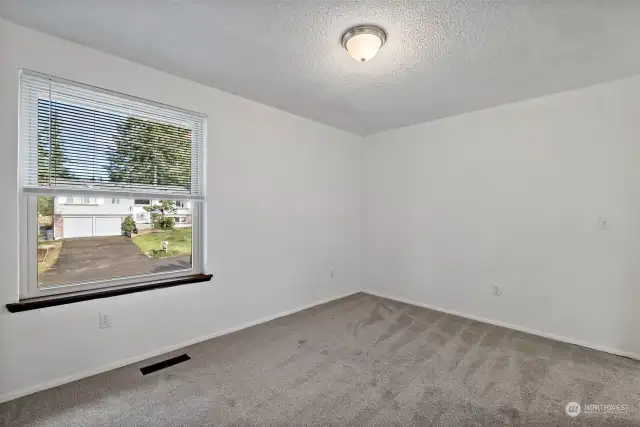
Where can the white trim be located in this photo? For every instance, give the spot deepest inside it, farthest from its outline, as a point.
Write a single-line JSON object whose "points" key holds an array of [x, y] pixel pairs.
{"points": [[104, 368], [35, 86], [108, 92], [113, 283], [29, 268], [197, 236], [116, 192], [511, 326], [28, 262], [99, 215], [203, 208], [29, 236]]}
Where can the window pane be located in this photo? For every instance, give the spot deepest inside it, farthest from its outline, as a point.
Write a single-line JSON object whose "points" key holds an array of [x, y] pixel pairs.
{"points": [[78, 137], [82, 243]]}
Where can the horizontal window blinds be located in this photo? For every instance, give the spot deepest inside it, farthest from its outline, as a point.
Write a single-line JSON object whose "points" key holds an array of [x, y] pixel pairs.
{"points": [[77, 139]]}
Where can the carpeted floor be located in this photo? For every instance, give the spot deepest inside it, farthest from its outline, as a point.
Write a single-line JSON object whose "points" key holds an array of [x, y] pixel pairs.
{"points": [[358, 361]]}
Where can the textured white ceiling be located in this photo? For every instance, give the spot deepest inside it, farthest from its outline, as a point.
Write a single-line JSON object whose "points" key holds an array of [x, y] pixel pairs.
{"points": [[441, 58]]}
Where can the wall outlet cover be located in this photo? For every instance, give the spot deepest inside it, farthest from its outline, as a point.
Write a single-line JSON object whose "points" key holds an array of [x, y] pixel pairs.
{"points": [[104, 321]]}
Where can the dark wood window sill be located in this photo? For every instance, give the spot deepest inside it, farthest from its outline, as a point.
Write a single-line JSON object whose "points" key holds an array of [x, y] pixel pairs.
{"points": [[51, 301]]}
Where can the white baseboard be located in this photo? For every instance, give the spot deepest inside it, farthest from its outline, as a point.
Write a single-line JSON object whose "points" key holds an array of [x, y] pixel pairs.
{"points": [[510, 326], [99, 370]]}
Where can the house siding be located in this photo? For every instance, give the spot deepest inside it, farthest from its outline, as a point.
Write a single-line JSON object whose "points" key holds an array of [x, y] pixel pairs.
{"points": [[97, 206], [66, 207]]}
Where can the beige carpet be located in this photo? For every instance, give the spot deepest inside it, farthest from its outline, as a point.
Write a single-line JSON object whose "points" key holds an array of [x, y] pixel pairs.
{"points": [[357, 361]]}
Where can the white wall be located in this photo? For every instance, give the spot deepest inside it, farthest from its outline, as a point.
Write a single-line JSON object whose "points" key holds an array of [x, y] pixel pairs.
{"points": [[283, 209], [512, 196]]}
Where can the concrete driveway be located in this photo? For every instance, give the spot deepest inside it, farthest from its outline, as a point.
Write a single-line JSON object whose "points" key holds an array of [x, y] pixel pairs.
{"points": [[97, 258]]}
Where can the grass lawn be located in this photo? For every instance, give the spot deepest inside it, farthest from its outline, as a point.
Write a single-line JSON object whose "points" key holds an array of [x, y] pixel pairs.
{"points": [[179, 242]]}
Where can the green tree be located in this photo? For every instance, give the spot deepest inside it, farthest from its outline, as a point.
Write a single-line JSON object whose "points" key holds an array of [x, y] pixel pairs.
{"points": [[45, 205], [151, 153], [51, 157], [159, 214]]}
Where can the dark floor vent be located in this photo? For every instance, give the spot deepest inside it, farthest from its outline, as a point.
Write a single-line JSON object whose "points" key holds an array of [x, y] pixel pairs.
{"points": [[164, 364]]}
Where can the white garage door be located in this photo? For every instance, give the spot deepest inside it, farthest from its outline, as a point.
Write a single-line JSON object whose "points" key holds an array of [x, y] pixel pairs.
{"points": [[107, 226], [78, 227]]}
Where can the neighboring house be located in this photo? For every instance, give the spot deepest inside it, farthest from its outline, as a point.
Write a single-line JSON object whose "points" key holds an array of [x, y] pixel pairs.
{"points": [[89, 216], [182, 214], [102, 216]]}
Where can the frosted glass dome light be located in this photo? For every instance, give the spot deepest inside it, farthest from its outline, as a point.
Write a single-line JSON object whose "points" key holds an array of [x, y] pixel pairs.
{"points": [[363, 42]]}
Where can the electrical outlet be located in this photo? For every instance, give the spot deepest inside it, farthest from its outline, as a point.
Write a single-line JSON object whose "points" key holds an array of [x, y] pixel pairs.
{"points": [[497, 291], [104, 321]]}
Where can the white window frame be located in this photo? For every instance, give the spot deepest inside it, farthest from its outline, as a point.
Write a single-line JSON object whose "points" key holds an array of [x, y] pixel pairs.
{"points": [[29, 258], [29, 229]]}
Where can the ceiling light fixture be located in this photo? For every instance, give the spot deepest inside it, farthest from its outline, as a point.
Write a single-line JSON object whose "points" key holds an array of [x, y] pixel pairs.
{"points": [[364, 41]]}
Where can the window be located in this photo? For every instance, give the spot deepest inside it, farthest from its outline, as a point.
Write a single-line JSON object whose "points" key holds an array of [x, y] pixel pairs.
{"points": [[139, 159], [108, 201]]}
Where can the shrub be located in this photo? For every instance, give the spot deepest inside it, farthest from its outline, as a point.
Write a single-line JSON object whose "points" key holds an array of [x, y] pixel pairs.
{"points": [[159, 213], [162, 222], [128, 226]]}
